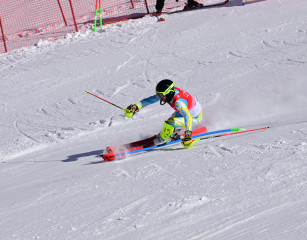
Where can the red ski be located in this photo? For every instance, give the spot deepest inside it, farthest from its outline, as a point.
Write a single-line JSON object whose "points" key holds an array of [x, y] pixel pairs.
{"points": [[111, 152]]}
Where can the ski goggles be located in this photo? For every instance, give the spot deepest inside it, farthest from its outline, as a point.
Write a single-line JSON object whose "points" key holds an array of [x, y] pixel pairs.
{"points": [[167, 91]]}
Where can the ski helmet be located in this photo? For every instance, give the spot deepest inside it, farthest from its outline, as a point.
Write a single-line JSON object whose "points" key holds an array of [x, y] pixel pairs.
{"points": [[165, 90]]}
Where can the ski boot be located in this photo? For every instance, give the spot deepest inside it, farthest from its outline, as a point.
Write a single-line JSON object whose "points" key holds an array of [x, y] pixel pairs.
{"points": [[192, 4], [177, 134], [163, 137], [158, 15]]}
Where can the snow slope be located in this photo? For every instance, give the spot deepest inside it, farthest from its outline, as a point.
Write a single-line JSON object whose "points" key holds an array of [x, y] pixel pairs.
{"points": [[247, 66]]}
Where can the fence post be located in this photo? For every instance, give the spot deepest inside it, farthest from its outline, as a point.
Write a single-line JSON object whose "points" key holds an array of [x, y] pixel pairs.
{"points": [[62, 12], [3, 37], [146, 6], [73, 14]]}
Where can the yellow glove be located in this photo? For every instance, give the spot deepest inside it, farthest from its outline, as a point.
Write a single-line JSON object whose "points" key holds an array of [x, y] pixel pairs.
{"points": [[130, 111]]}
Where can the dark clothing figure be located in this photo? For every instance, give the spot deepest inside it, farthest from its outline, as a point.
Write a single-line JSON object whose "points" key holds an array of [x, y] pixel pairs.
{"points": [[191, 4], [159, 5]]}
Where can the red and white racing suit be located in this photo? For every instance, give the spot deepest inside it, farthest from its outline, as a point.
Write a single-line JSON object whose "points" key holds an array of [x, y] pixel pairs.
{"points": [[188, 111]]}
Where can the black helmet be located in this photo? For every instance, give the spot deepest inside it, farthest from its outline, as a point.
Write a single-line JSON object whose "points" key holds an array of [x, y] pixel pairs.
{"points": [[165, 90]]}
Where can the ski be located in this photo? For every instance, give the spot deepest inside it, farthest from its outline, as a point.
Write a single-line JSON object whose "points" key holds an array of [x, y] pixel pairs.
{"points": [[118, 151], [198, 137], [233, 133], [198, 8], [195, 137]]}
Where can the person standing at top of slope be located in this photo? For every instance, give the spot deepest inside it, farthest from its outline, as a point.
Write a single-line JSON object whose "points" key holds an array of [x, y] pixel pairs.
{"points": [[188, 112], [189, 5]]}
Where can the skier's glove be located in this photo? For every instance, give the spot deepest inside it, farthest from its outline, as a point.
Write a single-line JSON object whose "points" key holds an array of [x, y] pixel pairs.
{"points": [[130, 111], [187, 140]]}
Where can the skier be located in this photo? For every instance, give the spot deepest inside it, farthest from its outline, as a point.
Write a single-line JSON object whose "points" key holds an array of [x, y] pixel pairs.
{"points": [[189, 5], [188, 112]]}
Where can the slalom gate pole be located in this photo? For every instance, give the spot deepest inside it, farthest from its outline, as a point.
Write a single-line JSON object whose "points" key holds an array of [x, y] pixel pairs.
{"points": [[98, 10], [95, 19], [106, 101], [100, 14]]}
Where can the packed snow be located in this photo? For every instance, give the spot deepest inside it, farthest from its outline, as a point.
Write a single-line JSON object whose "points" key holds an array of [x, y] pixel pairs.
{"points": [[246, 65]]}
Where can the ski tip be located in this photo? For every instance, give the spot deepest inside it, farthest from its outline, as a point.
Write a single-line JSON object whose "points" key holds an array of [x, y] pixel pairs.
{"points": [[108, 157], [242, 129], [161, 19]]}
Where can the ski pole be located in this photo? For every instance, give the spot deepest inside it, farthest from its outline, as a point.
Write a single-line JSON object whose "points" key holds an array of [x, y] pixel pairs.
{"points": [[105, 100], [228, 134]]}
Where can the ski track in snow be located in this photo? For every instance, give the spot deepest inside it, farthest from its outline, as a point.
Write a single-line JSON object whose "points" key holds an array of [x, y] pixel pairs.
{"points": [[246, 65]]}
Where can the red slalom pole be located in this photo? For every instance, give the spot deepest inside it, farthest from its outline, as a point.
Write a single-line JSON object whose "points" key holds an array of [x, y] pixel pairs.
{"points": [[105, 100]]}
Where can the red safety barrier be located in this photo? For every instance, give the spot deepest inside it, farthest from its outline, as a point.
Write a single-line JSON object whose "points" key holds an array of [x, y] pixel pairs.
{"points": [[24, 23]]}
